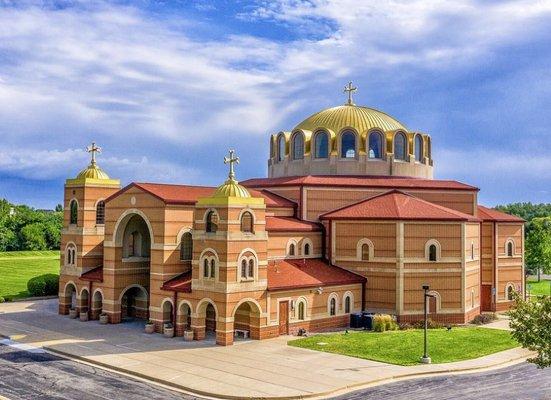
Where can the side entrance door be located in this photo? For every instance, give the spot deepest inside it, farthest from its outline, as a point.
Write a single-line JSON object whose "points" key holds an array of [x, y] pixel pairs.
{"points": [[486, 298], [284, 318]]}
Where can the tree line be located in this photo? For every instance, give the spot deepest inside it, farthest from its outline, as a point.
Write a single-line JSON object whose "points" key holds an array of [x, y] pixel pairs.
{"points": [[26, 228], [537, 233]]}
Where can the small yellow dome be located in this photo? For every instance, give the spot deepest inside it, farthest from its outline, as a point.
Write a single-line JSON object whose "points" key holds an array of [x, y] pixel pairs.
{"points": [[231, 188], [92, 172], [350, 116]]}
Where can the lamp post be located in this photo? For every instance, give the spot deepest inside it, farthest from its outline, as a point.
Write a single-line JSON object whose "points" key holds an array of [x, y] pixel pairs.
{"points": [[426, 359]]}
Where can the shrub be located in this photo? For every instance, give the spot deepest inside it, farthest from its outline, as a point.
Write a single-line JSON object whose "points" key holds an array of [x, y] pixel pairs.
{"points": [[2, 299], [484, 319], [430, 324], [405, 326], [43, 285], [384, 322]]}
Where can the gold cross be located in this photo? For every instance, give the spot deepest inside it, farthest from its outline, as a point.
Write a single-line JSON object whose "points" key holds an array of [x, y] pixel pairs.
{"points": [[231, 160], [350, 89], [93, 149]]}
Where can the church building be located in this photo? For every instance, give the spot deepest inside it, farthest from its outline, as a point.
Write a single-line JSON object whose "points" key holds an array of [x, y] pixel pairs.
{"points": [[349, 219]]}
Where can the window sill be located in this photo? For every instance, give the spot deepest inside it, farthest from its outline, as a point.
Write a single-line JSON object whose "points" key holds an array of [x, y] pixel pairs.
{"points": [[246, 280], [135, 259]]}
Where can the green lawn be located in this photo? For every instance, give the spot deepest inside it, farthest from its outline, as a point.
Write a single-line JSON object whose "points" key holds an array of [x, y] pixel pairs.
{"points": [[17, 267], [406, 347], [538, 288]]}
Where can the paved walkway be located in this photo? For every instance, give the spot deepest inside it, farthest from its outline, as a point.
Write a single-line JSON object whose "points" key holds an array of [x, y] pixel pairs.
{"points": [[267, 368]]}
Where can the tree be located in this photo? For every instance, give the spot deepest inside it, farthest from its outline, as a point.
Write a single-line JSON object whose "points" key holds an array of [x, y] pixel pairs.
{"points": [[530, 324], [59, 208], [538, 245], [33, 237]]}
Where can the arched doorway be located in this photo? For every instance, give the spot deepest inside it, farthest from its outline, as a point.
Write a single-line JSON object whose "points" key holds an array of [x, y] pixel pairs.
{"points": [[97, 305], [69, 299], [247, 319], [210, 319], [183, 320], [168, 313], [133, 239], [205, 324], [134, 304], [83, 302]]}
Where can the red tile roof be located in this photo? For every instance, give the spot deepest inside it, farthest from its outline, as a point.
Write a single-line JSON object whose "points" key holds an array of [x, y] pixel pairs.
{"points": [[397, 205], [358, 181], [295, 274], [94, 275], [490, 214], [289, 224], [188, 194], [180, 283]]}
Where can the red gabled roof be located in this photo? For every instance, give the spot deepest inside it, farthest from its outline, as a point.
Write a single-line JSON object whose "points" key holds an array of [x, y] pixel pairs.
{"points": [[397, 205], [94, 275], [490, 214], [289, 224], [180, 283], [189, 194], [309, 272], [396, 182]]}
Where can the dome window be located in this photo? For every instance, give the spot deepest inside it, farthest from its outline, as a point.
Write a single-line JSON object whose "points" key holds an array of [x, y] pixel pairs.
{"points": [[348, 145], [321, 143], [281, 148], [298, 146], [375, 145], [418, 148], [400, 147]]}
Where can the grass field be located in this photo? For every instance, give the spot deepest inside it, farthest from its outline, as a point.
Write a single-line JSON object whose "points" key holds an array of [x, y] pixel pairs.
{"points": [[406, 347], [538, 288], [17, 267]]}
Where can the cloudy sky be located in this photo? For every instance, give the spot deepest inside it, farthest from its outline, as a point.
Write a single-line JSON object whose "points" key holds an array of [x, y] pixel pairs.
{"points": [[165, 87]]}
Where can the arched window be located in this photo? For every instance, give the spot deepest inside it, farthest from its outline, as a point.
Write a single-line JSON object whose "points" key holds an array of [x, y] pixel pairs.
{"points": [[251, 268], [73, 209], [321, 144], [70, 255], [510, 248], [510, 292], [432, 252], [400, 146], [212, 267], [332, 306], [205, 268], [418, 148], [186, 247], [281, 148], [292, 249], [243, 268], [348, 145], [365, 252], [375, 145], [307, 249], [100, 213], [212, 222], [298, 146], [347, 305], [301, 310], [247, 222]]}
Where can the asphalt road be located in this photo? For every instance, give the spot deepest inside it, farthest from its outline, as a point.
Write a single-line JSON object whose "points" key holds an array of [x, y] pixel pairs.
{"points": [[37, 375]]}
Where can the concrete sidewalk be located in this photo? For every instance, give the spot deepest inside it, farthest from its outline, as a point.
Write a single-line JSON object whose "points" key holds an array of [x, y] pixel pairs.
{"points": [[260, 369]]}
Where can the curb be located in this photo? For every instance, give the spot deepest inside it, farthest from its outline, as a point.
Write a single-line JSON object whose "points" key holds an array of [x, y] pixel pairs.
{"points": [[334, 392]]}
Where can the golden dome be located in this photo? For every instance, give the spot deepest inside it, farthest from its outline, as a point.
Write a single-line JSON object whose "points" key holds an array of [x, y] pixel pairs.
{"points": [[360, 118], [231, 188], [92, 172]]}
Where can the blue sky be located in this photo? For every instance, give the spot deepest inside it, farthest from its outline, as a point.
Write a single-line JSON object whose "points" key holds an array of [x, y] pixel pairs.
{"points": [[165, 87]]}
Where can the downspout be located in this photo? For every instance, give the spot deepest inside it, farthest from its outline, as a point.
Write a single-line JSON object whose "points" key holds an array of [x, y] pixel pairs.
{"points": [[89, 298], [363, 295]]}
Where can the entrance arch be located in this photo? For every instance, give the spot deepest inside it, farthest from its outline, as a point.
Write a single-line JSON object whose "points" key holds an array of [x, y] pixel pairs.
{"points": [[68, 299], [207, 314], [97, 305], [83, 301], [183, 318], [168, 313], [246, 317], [134, 302]]}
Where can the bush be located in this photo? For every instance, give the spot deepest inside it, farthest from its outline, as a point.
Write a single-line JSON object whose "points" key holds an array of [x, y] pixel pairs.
{"points": [[2, 299], [405, 326], [430, 324], [43, 285], [484, 319], [384, 322]]}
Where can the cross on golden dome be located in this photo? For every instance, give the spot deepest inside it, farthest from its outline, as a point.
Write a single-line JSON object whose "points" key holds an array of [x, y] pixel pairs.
{"points": [[232, 159], [93, 149], [350, 89]]}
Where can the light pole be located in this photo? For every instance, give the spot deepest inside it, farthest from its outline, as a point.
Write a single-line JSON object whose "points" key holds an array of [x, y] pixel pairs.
{"points": [[426, 359]]}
